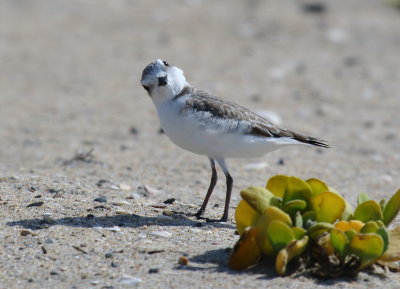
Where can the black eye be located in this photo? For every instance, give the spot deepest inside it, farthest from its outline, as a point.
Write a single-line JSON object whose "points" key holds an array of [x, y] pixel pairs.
{"points": [[162, 81], [147, 88], [166, 63]]}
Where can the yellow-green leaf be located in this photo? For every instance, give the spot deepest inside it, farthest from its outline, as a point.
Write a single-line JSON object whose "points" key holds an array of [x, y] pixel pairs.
{"points": [[368, 211], [278, 185], [257, 197], [339, 241], [296, 189], [273, 214], [279, 234], [298, 232], [270, 214], [368, 247], [292, 250], [392, 208], [292, 207], [393, 252], [245, 216], [317, 186], [246, 252], [328, 206], [316, 230], [370, 227]]}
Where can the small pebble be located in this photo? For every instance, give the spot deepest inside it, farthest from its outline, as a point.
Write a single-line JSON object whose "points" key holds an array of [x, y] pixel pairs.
{"points": [[120, 203], [113, 229], [164, 218], [164, 234], [114, 265], [25, 232], [35, 204], [147, 190], [168, 213], [101, 182], [129, 280], [101, 199], [47, 218], [159, 205], [133, 130], [154, 270], [122, 212], [183, 261], [108, 255], [120, 187], [155, 251], [38, 196], [169, 201]]}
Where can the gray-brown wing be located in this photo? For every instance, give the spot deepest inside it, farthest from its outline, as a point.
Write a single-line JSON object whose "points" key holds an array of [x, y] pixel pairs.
{"points": [[201, 101]]}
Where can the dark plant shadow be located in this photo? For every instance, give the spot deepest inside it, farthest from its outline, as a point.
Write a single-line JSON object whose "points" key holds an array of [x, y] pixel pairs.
{"points": [[132, 221], [218, 259], [265, 270]]}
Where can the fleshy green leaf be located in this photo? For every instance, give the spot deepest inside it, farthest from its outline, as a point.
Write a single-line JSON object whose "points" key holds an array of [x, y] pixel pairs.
{"points": [[257, 197], [393, 252], [278, 185], [370, 227], [339, 241], [270, 214], [368, 211], [279, 234], [317, 186], [292, 250], [385, 237], [245, 216], [368, 247], [328, 206], [292, 207], [362, 197], [296, 189], [392, 208], [246, 252], [298, 232], [316, 230]]}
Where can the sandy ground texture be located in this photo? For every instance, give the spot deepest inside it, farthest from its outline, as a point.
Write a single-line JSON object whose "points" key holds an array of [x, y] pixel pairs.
{"points": [[84, 170]]}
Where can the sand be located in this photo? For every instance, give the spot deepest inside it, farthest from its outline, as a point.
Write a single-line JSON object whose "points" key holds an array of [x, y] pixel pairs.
{"points": [[79, 137]]}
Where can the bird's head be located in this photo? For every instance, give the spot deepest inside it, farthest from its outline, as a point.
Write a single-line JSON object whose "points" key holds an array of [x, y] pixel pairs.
{"points": [[162, 81]]}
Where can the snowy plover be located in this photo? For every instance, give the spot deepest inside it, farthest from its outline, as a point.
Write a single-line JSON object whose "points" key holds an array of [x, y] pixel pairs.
{"points": [[207, 125]]}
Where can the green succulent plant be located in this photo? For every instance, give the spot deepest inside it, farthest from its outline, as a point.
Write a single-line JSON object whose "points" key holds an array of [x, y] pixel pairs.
{"points": [[292, 218]]}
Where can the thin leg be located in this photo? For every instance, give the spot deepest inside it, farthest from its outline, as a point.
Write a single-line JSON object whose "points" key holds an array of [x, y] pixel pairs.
{"points": [[214, 179], [229, 183]]}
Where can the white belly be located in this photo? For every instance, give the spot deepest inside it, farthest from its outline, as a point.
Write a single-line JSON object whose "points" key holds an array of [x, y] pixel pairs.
{"points": [[209, 137]]}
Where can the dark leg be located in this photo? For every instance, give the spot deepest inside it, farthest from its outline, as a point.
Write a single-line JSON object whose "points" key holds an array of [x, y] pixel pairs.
{"points": [[229, 183], [214, 179]]}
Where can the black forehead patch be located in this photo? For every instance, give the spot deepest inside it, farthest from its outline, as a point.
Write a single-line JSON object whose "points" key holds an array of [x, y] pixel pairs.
{"points": [[149, 68]]}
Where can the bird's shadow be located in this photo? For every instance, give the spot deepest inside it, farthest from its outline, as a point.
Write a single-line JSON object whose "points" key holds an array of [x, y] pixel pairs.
{"points": [[131, 221]]}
